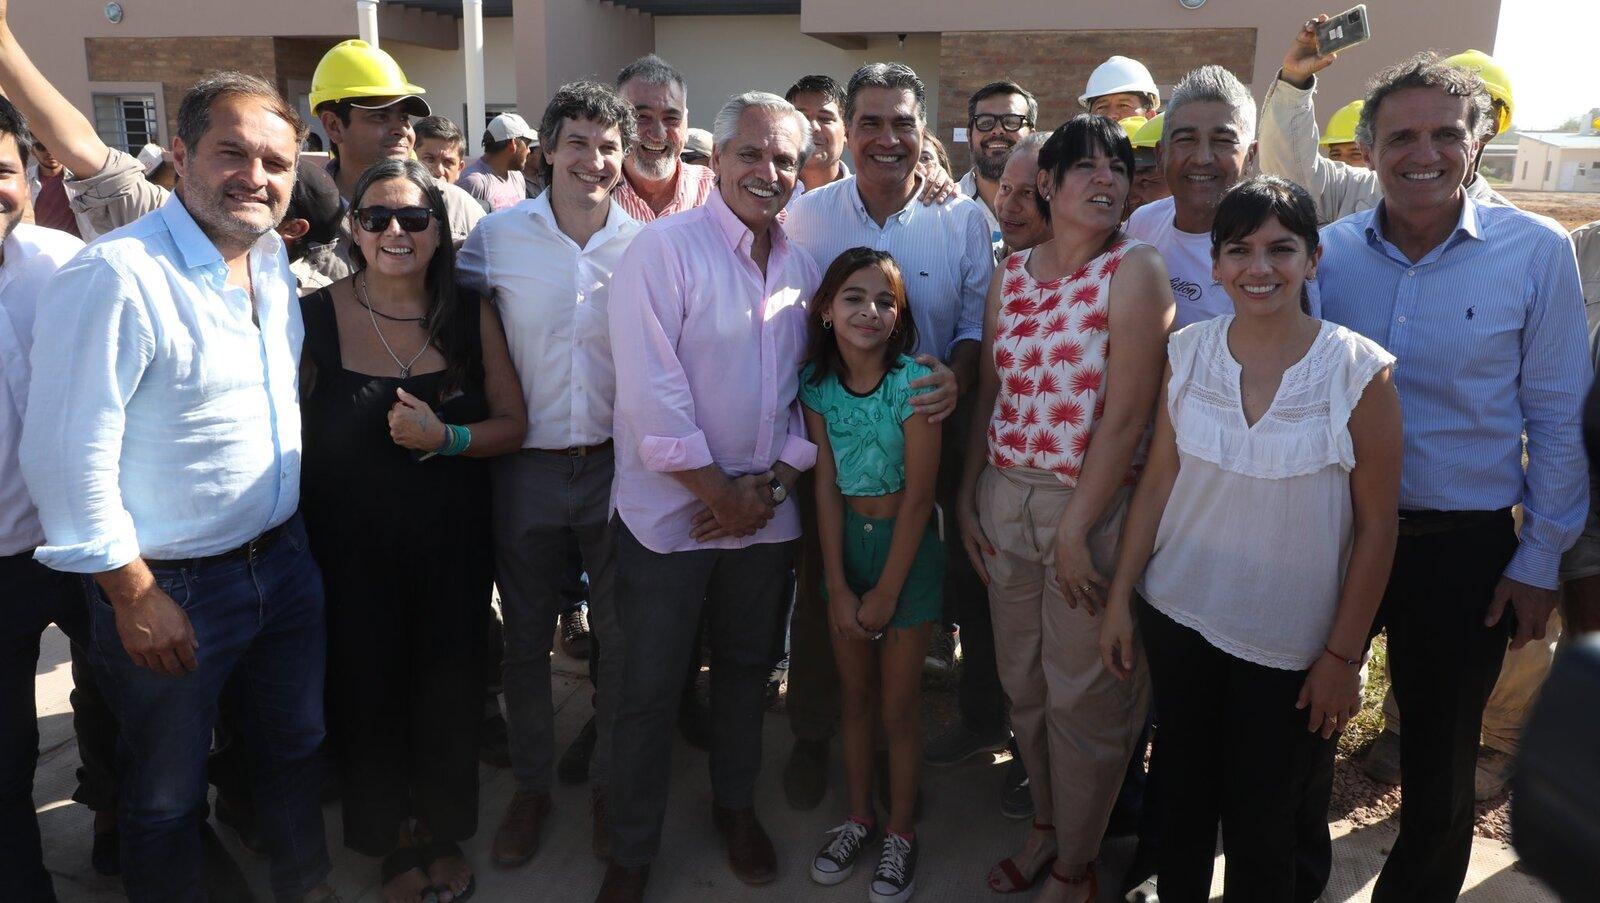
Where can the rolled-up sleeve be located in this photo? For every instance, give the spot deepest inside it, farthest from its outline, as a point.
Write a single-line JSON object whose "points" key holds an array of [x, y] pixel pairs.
{"points": [[113, 197], [1287, 144], [977, 265], [1556, 373], [798, 451], [653, 396], [92, 342]]}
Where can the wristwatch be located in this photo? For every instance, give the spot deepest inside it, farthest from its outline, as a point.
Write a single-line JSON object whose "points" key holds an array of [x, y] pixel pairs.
{"points": [[779, 493]]}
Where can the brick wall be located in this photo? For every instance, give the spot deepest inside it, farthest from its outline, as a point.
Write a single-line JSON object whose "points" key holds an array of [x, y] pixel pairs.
{"points": [[1055, 65], [297, 58], [177, 63]]}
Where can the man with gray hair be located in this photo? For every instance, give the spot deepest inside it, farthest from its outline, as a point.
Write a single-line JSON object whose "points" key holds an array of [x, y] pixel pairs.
{"points": [[1481, 302], [1207, 146], [945, 253], [655, 180], [708, 332]]}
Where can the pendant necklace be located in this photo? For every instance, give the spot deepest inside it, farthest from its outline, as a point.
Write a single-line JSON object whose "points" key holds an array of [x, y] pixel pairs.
{"points": [[405, 367]]}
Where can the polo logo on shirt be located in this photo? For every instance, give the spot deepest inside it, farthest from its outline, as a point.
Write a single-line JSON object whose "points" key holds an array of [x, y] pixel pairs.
{"points": [[1471, 312], [922, 272]]}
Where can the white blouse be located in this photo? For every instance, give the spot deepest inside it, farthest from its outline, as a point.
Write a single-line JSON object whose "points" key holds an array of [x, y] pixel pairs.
{"points": [[1253, 543]]}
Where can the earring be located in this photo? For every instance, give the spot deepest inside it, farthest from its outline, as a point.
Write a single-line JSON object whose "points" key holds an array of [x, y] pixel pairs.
{"points": [[827, 324]]}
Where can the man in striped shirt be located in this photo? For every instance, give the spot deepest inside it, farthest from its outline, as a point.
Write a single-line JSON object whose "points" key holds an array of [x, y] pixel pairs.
{"points": [[1482, 306], [655, 181]]}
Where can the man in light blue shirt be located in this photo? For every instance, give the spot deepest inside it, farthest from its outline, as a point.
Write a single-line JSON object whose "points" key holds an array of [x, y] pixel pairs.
{"points": [[162, 449], [1482, 306], [946, 259]]}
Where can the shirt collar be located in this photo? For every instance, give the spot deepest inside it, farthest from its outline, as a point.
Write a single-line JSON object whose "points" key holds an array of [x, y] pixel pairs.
{"points": [[1467, 224], [902, 215], [539, 208], [733, 229], [196, 249]]}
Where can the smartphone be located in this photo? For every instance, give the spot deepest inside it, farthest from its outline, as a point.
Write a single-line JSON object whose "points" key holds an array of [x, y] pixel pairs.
{"points": [[1347, 29]]}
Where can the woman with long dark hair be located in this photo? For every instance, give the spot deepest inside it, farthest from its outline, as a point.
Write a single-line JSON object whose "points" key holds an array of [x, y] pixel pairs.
{"points": [[1257, 549], [407, 384], [1055, 444]]}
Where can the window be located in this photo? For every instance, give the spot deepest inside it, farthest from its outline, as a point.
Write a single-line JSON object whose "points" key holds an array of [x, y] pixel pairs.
{"points": [[125, 121], [1524, 169], [1546, 171]]}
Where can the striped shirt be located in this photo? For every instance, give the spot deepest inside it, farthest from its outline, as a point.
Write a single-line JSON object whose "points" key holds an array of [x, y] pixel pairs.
{"points": [[1489, 331], [943, 251], [694, 184]]}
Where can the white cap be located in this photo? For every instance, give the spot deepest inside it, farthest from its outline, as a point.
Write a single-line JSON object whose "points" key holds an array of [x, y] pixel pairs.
{"points": [[1119, 75], [152, 156], [509, 125]]}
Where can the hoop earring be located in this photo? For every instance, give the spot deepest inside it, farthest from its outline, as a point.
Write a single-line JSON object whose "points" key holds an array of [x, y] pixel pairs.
{"points": [[827, 324]]}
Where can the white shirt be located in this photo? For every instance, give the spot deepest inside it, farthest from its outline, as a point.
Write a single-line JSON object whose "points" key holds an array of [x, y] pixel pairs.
{"points": [[162, 421], [1253, 543], [552, 297], [969, 187], [32, 256], [943, 251]]}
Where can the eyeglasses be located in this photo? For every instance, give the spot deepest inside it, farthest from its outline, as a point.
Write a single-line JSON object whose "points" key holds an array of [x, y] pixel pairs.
{"points": [[376, 218], [1012, 122]]}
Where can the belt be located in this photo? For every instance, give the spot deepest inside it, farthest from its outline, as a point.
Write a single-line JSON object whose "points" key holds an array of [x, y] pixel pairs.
{"points": [[577, 451], [1423, 523], [248, 550]]}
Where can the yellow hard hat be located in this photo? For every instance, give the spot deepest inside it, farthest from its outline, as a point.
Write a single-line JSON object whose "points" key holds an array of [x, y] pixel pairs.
{"points": [[1342, 127], [1132, 124], [356, 69], [1149, 134], [1495, 78]]}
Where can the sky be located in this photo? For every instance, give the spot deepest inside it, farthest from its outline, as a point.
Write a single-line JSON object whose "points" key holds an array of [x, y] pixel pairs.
{"points": [[1552, 50]]}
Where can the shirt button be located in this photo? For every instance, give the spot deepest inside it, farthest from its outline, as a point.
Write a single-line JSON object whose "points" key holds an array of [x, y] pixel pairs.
{"points": [[866, 528], [1402, 319], [1411, 272]]}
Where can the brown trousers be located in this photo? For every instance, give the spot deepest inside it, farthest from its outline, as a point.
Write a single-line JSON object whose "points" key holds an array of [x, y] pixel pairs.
{"points": [[1076, 724]]}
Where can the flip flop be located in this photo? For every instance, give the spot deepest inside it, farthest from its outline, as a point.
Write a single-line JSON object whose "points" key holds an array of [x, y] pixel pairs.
{"points": [[403, 860], [446, 849]]}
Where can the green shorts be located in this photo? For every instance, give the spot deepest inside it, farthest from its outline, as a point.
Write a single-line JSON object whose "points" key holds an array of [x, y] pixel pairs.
{"points": [[866, 549]]}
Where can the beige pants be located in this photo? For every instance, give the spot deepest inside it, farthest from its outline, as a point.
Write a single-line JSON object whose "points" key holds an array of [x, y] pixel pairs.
{"points": [[1514, 693], [1075, 722]]}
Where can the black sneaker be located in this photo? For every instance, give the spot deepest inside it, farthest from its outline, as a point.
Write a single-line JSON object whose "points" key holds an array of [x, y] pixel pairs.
{"points": [[837, 858], [896, 878], [1016, 801], [572, 634]]}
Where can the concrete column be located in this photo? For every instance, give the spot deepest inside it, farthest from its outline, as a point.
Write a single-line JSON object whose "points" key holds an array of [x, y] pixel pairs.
{"points": [[472, 50], [367, 21]]}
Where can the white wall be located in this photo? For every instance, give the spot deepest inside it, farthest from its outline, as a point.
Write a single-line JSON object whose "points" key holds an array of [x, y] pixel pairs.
{"points": [[726, 55], [1531, 156], [444, 75]]}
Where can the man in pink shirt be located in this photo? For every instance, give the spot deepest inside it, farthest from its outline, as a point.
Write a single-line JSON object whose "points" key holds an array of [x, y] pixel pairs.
{"points": [[708, 330], [655, 181]]}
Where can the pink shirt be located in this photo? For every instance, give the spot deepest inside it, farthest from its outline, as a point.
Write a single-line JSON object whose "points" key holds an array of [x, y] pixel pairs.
{"points": [[696, 183], [707, 356]]}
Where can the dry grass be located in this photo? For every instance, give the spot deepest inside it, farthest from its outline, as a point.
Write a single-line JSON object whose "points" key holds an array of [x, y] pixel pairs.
{"points": [[1569, 208]]}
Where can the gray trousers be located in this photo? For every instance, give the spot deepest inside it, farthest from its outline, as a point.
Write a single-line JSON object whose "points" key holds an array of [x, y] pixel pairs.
{"points": [[660, 600], [540, 499]]}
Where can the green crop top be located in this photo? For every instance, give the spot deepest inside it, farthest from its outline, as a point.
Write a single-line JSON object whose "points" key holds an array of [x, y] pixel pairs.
{"points": [[869, 448]]}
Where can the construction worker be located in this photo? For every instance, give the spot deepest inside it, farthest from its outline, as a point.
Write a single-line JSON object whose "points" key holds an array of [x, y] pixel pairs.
{"points": [[1149, 182], [366, 105], [1289, 137], [1121, 87], [1340, 138]]}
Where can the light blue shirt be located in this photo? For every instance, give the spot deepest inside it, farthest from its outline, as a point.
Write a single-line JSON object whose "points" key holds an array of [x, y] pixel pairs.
{"points": [[1489, 331], [943, 251], [161, 421]]}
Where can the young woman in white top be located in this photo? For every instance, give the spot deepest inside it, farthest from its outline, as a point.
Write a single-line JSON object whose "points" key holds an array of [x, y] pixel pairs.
{"points": [[1255, 554]]}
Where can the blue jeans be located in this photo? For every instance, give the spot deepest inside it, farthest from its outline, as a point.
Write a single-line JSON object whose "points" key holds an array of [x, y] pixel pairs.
{"points": [[259, 621]]}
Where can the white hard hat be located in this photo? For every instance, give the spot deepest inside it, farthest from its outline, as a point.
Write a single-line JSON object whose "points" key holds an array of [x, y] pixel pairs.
{"points": [[1119, 75]]}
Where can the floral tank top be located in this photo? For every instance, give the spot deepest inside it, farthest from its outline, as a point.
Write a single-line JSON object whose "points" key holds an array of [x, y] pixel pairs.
{"points": [[1050, 351]]}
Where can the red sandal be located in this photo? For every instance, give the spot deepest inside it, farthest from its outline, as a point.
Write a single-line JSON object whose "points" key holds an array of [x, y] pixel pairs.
{"points": [[1088, 877], [1013, 873]]}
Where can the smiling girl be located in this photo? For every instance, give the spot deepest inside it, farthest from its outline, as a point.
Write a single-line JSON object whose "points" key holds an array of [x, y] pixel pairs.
{"points": [[883, 561], [1263, 529]]}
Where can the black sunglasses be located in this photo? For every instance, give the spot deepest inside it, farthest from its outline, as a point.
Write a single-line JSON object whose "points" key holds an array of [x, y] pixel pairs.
{"points": [[376, 218], [1012, 122]]}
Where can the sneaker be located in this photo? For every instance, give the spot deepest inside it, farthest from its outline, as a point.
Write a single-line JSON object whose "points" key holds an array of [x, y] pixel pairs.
{"points": [[941, 653], [1016, 800], [572, 633], [959, 744], [1382, 762], [896, 878], [837, 858]]}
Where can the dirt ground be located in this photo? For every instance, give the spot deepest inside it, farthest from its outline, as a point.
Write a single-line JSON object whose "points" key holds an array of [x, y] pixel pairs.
{"points": [[1569, 208]]}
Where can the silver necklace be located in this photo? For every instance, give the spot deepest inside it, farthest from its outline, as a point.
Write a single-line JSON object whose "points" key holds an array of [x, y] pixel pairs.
{"points": [[405, 367]]}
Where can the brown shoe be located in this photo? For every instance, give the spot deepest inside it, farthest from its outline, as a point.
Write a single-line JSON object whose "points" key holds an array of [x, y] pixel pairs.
{"points": [[601, 837], [750, 853], [623, 884], [518, 837]]}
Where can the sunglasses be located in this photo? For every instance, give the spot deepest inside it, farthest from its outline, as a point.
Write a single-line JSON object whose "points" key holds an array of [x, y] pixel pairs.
{"points": [[376, 218], [1012, 122]]}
